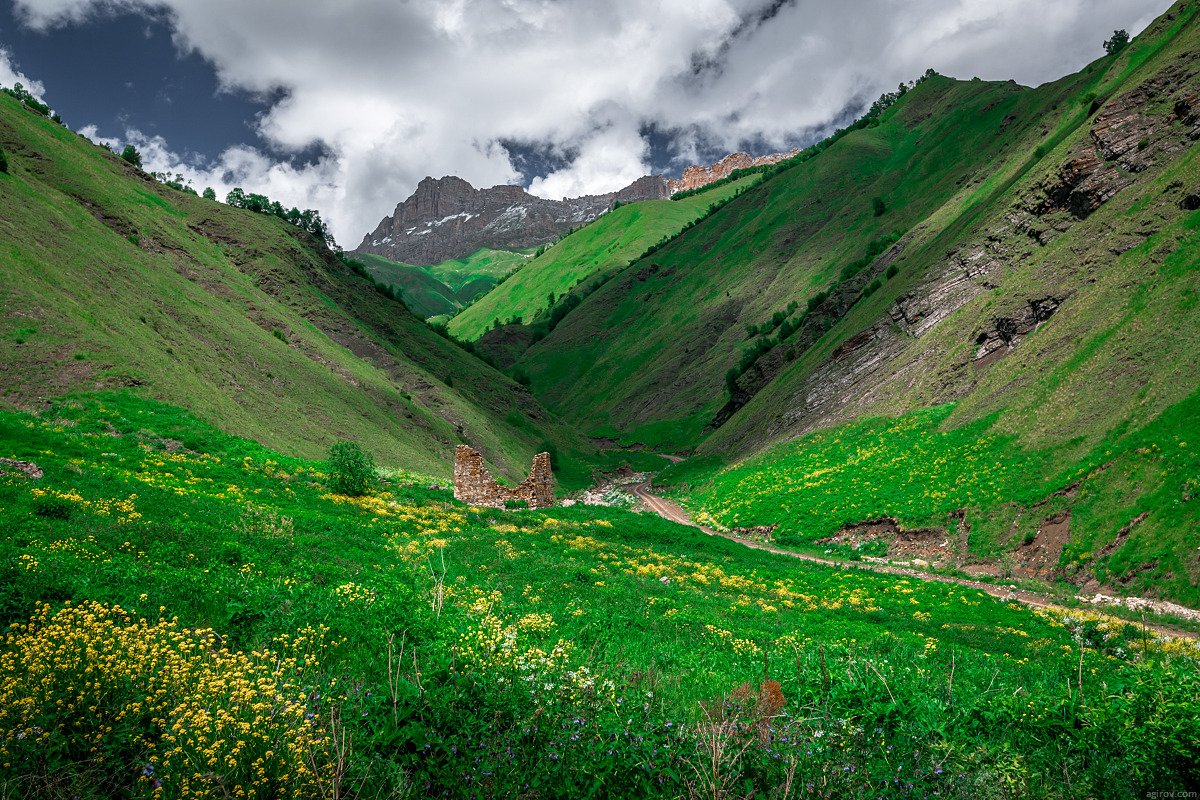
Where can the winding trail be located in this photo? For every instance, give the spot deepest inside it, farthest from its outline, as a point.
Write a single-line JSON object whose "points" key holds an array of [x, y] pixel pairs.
{"points": [[675, 513]]}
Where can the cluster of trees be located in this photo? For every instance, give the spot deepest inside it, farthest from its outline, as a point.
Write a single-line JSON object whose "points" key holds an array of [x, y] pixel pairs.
{"points": [[788, 325], [874, 248], [307, 220], [179, 183], [32, 103]]}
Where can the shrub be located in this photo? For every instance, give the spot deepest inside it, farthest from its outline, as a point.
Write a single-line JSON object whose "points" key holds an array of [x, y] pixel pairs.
{"points": [[131, 155], [351, 469], [877, 206], [51, 507], [892, 271], [209, 194], [3, 162]]}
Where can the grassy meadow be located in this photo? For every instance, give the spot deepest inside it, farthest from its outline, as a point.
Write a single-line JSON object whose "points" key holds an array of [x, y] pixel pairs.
{"points": [[1131, 499], [193, 615]]}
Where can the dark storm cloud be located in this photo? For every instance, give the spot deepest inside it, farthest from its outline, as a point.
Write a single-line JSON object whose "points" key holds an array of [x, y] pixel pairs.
{"points": [[582, 96]]}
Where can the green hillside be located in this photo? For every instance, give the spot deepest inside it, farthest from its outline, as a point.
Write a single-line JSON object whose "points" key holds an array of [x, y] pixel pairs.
{"points": [[1034, 274], [295, 639], [931, 388], [611, 241], [444, 289], [677, 321], [112, 280]]}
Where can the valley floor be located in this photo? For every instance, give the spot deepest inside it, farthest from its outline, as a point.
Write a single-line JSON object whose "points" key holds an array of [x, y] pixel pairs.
{"points": [[228, 625]]}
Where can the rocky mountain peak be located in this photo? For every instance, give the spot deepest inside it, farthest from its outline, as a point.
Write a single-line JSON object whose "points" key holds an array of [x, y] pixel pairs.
{"points": [[449, 218]]}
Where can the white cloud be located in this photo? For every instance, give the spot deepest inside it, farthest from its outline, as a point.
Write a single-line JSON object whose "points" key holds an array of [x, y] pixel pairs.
{"points": [[396, 91], [10, 76]]}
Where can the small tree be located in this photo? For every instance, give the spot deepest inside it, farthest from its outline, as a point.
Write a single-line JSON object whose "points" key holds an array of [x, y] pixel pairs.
{"points": [[209, 194], [351, 469], [131, 154], [877, 206], [1118, 41], [3, 162]]}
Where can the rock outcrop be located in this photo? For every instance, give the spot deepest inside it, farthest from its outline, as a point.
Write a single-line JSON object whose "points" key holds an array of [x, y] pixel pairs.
{"points": [[26, 468], [474, 486], [697, 176], [449, 218]]}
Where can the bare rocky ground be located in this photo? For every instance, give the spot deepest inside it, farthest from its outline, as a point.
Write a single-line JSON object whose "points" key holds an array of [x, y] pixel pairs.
{"points": [[615, 489]]}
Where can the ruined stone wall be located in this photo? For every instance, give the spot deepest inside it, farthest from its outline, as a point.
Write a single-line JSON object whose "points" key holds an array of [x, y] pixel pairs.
{"points": [[474, 486]]}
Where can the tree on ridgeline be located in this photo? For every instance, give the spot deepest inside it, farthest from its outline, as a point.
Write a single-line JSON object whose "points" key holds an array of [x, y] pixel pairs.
{"points": [[1117, 43], [307, 220], [131, 155]]}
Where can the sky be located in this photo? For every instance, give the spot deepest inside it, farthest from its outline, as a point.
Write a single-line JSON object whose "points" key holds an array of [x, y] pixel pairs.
{"points": [[345, 106]]}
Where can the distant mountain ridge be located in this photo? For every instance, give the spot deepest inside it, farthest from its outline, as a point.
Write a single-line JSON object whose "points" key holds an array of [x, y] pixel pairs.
{"points": [[449, 218]]}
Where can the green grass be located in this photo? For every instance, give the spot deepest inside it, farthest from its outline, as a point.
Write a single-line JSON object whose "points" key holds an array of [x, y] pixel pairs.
{"points": [[920, 469], [959, 166], [611, 241], [953, 161], [240, 317], [444, 289], [675, 329], [565, 650]]}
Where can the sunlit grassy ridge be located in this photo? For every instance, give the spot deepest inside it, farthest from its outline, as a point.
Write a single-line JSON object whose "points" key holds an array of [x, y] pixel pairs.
{"points": [[111, 279], [560, 651], [611, 241]]}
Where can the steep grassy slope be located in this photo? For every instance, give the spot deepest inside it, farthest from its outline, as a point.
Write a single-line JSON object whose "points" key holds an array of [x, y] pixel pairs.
{"points": [[611, 241], [556, 651], [444, 289], [676, 321], [112, 280], [1043, 297], [1056, 305]]}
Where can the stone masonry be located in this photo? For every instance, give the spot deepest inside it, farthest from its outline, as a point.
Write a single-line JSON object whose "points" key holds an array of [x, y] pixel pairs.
{"points": [[474, 486]]}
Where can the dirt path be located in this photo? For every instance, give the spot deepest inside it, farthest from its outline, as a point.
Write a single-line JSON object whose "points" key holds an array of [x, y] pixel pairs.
{"points": [[675, 513]]}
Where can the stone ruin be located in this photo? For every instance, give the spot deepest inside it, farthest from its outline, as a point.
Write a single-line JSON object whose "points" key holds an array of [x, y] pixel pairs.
{"points": [[474, 486]]}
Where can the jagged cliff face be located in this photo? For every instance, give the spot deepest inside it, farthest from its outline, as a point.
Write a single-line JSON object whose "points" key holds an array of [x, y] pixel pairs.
{"points": [[449, 218], [696, 176]]}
